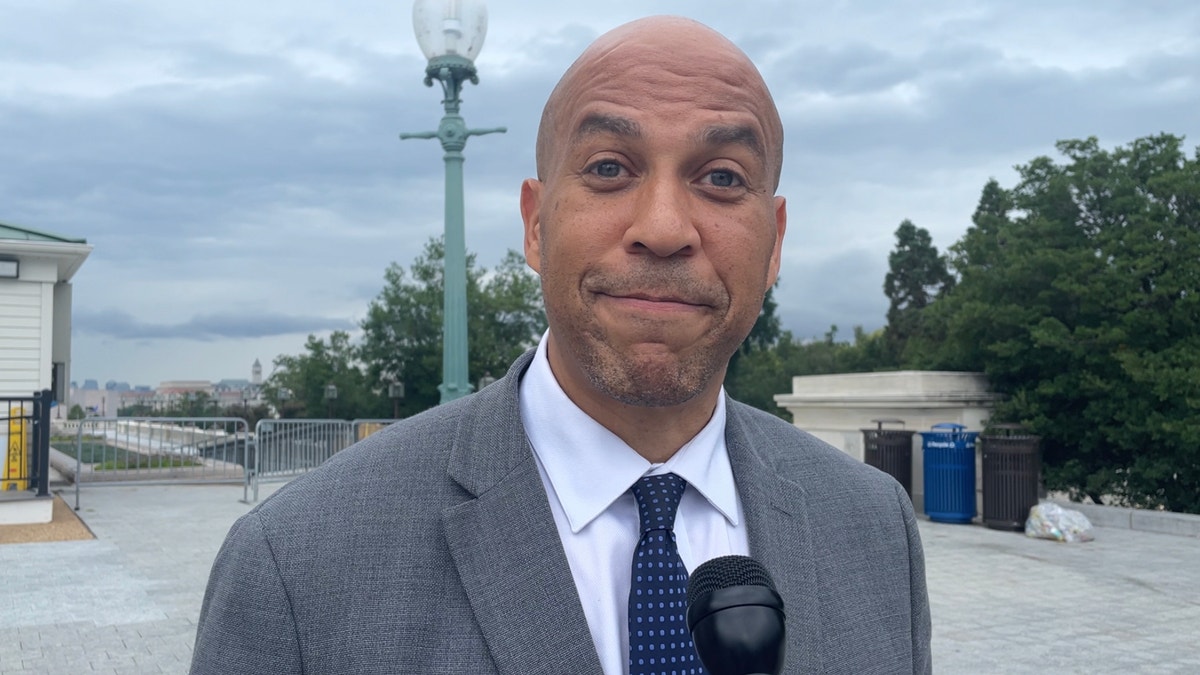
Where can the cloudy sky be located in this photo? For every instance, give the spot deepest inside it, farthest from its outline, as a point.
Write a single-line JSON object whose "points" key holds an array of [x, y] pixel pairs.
{"points": [[236, 164]]}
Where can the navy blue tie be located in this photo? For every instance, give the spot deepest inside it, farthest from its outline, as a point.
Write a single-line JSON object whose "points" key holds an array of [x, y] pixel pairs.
{"points": [[659, 642]]}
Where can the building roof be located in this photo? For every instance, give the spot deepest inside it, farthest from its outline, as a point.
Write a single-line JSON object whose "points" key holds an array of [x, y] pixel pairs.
{"points": [[27, 234]]}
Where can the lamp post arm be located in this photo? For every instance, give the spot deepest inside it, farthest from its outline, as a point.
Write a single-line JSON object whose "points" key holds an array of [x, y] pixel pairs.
{"points": [[418, 134], [481, 132]]}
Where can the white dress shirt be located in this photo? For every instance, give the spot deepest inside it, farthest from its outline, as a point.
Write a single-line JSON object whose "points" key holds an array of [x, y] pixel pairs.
{"points": [[587, 471]]}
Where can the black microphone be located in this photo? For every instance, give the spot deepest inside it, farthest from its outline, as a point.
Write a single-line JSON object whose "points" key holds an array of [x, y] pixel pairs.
{"points": [[736, 617]]}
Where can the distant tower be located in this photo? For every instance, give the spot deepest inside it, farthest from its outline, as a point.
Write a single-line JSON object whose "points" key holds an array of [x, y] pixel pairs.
{"points": [[256, 373]]}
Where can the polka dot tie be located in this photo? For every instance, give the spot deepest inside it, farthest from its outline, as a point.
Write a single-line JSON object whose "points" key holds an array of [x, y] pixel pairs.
{"points": [[659, 642]]}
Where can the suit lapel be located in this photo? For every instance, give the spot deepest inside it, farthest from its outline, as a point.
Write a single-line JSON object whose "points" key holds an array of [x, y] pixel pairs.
{"points": [[506, 547], [776, 513]]}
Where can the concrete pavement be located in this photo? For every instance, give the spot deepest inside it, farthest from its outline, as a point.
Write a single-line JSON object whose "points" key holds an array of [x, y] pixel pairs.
{"points": [[1002, 603]]}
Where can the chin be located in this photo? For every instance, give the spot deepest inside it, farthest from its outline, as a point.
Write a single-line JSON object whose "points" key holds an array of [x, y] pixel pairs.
{"points": [[654, 382]]}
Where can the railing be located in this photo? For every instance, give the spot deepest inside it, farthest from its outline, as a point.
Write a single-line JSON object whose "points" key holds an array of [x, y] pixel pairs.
{"points": [[113, 450], [25, 443], [285, 449]]}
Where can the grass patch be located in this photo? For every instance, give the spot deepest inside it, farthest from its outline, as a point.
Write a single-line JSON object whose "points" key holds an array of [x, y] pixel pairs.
{"points": [[146, 462], [104, 457]]}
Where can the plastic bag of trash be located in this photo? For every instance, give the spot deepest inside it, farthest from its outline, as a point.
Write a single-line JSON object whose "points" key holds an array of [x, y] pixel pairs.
{"points": [[1048, 520]]}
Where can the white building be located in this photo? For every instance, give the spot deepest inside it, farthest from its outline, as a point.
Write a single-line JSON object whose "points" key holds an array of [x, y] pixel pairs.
{"points": [[35, 310]]}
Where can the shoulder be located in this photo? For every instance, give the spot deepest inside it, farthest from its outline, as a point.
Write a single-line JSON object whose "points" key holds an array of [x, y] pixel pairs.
{"points": [[415, 466], [797, 455]]}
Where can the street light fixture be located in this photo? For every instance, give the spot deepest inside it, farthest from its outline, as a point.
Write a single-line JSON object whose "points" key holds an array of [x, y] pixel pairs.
{"points": [[330, 397], [283, 394], [396, 392], [486, 379], [450, 33]]}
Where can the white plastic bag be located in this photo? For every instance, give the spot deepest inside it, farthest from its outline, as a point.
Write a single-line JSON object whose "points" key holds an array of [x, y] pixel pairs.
{"points": [[1048, 520]]}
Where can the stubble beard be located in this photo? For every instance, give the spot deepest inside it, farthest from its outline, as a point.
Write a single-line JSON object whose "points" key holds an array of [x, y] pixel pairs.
{"points": [[651, 380]]}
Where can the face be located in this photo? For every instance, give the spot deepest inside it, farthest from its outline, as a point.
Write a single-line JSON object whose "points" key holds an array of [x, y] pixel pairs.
{"points": [[654, 226]]}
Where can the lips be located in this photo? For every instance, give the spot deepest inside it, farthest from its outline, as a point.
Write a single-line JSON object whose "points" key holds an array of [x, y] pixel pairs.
{"points": [[657, 297]]}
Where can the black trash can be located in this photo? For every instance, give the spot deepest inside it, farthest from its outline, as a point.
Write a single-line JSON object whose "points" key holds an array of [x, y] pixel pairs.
{"points": [[890, 451], [949, 457], [1012, 475]]}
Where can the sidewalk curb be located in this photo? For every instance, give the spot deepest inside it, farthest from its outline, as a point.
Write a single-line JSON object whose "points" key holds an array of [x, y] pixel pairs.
{"points": [[1161, 522]]}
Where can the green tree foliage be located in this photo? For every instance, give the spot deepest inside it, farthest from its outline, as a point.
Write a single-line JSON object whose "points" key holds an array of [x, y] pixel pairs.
{"points": [[333, 361], [1079, 297], [757, 375], [76, 412], [402, 332], [402, 341], [916, 276]]}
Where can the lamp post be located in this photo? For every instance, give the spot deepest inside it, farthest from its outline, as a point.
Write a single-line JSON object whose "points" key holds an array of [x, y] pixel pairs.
{"points": [[486, 379], [330, 397], [283, 394], [396, 392], [450, 33]]}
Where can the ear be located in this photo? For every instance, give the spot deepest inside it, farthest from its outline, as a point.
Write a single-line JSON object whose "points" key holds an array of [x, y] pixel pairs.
{"points": [[531, 210], [780, 229]]}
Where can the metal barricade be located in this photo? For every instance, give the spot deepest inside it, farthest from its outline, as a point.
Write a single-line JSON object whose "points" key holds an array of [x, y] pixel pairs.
{"points": [[25, 443], [284, 449], [366, 427], [115, 450]]}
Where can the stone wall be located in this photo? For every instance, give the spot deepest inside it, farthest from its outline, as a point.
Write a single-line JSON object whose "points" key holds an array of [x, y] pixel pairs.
{"points": [[836, 408]]}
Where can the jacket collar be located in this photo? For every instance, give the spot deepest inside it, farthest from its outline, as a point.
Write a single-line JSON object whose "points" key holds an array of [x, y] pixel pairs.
{"points": [[505, 545]]}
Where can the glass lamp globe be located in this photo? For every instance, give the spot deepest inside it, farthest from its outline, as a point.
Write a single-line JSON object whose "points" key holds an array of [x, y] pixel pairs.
{"points": [[450, 27]]}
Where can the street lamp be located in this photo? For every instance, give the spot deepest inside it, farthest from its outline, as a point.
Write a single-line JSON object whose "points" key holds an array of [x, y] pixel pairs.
{"points": [[283, 394], [330, 397], [396, 392], [486, 379], [450, 33]]}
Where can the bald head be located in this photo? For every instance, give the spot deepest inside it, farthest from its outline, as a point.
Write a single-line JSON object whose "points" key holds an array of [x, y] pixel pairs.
{"points": [[654, 53]]}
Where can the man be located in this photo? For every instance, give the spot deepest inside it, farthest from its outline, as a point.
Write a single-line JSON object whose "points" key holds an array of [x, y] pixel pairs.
{"points": [[495, 534]]}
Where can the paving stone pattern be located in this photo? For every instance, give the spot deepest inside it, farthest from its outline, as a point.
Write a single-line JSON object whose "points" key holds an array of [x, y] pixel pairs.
{"points": [[127, 602]]}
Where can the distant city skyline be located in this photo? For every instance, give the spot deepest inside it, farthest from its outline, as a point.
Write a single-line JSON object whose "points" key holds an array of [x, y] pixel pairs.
{"points": [[111, 384]]}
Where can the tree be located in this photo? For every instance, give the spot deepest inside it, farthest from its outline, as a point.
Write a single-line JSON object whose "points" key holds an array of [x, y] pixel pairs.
{"points": [[327, 362], [758, 375], [1079, 297], [402, 332], [916, 275]]}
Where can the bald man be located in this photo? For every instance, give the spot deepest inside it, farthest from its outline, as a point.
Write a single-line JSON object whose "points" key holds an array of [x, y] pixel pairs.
{"points": [[505, 532]]}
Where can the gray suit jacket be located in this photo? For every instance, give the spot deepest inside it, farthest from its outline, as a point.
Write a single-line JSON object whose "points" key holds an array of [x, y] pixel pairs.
{"points": [[430, 548]]}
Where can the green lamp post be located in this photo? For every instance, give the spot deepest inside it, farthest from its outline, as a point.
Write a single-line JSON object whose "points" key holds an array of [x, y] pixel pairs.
{"points": [[451, 33]]}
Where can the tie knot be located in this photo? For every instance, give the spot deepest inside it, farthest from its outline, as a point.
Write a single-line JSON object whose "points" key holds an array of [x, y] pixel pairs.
{"points": [[658, 500]]}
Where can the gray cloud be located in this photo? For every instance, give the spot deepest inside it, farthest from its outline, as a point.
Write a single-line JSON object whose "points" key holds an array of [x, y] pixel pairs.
{"points": [[205, 328], [225, 155]]}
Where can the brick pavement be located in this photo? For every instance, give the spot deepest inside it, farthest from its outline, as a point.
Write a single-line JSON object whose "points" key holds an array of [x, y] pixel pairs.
{"points": [[128, 601]]}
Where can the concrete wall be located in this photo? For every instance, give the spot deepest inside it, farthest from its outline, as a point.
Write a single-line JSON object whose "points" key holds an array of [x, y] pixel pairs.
{"points": [[836, 408]]}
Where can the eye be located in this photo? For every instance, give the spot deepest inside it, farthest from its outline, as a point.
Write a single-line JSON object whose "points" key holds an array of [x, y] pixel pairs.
{"points": [[606, 168], [724, 178]]}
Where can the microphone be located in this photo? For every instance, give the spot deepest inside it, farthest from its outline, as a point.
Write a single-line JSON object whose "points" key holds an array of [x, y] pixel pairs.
{"points": [[736, 617]]}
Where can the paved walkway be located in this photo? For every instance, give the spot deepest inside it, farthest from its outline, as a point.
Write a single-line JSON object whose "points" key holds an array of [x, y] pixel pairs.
{"points": [[128, 601]]}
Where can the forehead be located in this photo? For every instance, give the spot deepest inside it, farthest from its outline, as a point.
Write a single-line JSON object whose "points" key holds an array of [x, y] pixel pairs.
{"points": [[667, 78]]}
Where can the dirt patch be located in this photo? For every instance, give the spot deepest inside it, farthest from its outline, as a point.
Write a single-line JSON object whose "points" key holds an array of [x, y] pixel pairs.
{"points": [[64, 525]]}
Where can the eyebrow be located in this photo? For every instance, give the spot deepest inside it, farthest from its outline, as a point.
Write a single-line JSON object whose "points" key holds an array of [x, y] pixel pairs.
{"points": [[736, 134], [716, 135], [597, 124]]}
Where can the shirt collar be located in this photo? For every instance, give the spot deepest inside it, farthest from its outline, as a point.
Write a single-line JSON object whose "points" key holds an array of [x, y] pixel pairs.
{"points": [[589, 467]]}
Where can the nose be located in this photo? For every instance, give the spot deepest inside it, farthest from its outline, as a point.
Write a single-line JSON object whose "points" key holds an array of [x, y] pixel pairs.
{"points": [[662, 221]]}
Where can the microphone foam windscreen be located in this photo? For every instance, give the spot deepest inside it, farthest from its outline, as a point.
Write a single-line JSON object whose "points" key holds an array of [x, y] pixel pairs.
{"points": [[724, 572]]}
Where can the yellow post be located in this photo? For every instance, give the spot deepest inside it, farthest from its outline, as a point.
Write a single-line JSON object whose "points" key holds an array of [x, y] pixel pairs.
{"points": [[16, 461]]}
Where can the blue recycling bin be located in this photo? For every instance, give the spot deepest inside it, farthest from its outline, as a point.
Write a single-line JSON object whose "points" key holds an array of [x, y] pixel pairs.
{"points": [[949, 453]]}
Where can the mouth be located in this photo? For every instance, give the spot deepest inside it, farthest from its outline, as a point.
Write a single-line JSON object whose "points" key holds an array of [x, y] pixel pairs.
{"points": [[655, 301]]}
